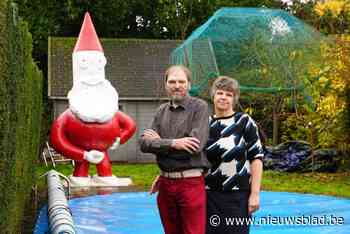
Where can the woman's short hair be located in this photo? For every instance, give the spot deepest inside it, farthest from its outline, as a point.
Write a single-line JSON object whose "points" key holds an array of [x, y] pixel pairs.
{"points": [[227, 84], [178, 67]]}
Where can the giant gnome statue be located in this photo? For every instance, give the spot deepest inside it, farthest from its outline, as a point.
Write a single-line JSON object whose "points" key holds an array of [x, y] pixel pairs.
{"points": [[92, 124]]}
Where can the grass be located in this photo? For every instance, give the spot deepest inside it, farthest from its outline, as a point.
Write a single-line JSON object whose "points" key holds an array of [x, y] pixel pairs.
{"points": [[335, 184], [141, 174]]}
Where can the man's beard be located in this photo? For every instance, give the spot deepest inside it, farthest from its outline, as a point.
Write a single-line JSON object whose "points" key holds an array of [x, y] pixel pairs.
{"points": [[97, 103], [177, 98]]}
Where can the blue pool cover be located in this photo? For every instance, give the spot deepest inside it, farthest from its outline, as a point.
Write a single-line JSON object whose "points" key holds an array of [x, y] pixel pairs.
{"points": [[136, 212]]}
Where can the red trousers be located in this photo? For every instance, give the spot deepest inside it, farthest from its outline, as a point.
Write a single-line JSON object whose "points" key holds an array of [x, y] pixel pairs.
{"points": [[182, 205]]}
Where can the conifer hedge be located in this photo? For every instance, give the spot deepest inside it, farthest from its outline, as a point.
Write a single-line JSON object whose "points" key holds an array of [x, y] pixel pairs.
{"points": [[20, 117]]}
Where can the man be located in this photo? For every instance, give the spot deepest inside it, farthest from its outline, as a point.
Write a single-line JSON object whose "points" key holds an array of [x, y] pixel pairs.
{"points": [[177, 136]]}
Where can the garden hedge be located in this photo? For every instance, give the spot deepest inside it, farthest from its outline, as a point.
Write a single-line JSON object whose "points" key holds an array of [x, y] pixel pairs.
{"points": [[20, 117]]}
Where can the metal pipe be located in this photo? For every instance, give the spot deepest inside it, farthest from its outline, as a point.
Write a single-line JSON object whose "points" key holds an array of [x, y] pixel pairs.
{"points": [[60, 217]]}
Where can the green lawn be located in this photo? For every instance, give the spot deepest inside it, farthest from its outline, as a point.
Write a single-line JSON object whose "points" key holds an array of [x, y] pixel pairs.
{"points": [[336, 184]]}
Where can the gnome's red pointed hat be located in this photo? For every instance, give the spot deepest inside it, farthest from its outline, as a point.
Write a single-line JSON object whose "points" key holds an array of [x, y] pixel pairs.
{"points": [[88, 39]]}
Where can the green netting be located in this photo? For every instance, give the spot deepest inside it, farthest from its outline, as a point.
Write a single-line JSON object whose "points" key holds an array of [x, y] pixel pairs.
{"points": [[266, 50]]}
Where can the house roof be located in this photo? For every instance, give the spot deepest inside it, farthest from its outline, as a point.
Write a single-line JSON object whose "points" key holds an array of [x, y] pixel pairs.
{"points": [[135, 67]]}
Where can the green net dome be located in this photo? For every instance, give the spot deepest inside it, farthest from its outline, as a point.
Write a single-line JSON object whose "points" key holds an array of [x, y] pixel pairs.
{"points": [[266, 50]]}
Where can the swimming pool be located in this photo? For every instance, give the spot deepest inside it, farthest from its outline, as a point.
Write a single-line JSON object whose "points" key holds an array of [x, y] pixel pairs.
{"points": [[136, 212]]}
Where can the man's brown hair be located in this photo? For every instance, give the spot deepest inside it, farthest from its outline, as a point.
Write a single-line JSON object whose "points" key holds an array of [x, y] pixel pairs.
{"points": [[178, 67]]}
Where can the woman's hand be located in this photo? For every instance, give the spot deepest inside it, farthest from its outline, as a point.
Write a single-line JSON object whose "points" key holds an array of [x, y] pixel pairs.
{"points": [[253, 203]]}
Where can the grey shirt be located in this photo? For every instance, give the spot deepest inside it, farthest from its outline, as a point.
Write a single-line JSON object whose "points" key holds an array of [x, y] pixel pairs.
{"points": [[188, 119]]}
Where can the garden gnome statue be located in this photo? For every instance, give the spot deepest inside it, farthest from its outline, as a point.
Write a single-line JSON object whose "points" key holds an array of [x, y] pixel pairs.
{"points": [[92, 124]]}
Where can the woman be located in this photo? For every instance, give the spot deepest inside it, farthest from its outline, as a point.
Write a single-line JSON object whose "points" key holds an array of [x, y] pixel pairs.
{"points": [[235, 152]]}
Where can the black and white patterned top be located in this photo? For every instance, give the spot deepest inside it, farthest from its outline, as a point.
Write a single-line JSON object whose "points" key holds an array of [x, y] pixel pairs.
{"points": [[233, 143]]}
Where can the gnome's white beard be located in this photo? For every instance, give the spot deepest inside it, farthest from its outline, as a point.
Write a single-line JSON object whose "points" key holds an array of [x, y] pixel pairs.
{"points": [[97, 103]]}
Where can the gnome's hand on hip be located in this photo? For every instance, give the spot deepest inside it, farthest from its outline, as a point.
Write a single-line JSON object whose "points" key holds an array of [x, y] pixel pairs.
{"points": [[94, 156], [115, 144]]}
